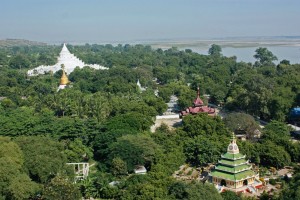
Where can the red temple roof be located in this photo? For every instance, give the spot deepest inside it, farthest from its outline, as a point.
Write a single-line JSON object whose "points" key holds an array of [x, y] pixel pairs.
{"points": [[198, 107], [198, 101]]}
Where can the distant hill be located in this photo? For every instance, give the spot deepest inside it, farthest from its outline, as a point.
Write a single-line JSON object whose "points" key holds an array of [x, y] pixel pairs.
{"points": [[19, 42]]}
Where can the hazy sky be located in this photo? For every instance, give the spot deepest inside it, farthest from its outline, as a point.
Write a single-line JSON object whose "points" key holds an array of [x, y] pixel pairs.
{"points": [[131, 20]]}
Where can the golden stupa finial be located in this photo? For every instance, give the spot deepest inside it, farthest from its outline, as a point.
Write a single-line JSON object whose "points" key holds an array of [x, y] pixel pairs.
{"points": [[64, 79], [233, 138]]}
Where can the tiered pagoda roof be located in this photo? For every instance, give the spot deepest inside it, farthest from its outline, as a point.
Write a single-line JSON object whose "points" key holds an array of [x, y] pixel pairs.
{"points": [[234, 177], [198, 107], [233, 166], [198, 101]]}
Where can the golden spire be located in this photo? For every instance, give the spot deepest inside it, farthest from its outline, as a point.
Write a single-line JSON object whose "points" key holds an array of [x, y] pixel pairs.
{"points": [[64, 79]]}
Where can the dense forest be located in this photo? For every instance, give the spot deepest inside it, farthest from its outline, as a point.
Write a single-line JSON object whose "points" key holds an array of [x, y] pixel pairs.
{"points": [[104, 119]]}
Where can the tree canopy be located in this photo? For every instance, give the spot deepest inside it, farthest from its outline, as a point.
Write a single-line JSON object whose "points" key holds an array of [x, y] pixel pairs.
{"points": [[104, 119], [264, 56], [215, 50]]}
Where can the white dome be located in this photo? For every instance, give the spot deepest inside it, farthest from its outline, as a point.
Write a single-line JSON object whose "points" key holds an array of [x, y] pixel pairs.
{"points": [[233, 147]]}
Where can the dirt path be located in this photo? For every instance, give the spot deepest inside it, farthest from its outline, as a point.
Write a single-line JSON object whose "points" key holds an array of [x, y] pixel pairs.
{"points": [[172, 123]]}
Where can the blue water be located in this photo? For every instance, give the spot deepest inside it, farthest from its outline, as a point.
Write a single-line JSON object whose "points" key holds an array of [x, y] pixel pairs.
{"points": [[245, 54]]}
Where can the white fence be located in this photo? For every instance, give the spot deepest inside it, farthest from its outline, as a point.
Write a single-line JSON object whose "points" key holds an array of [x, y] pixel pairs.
{"points": [[168, 116]]}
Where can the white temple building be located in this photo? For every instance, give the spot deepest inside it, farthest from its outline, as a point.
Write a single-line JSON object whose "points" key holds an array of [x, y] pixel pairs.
{"points": [[69, 60]]}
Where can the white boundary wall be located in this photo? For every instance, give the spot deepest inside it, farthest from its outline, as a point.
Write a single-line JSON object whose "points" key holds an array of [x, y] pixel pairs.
{"points": [[168, 116]]}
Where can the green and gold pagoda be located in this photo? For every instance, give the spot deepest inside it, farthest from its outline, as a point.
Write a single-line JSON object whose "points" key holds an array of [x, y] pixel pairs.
{"points": [[233, 171]]}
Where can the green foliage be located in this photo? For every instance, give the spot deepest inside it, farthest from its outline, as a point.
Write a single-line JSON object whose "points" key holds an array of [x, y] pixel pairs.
{"points": [[285, 62], [132, 121], [25, 121], [11, 151], [171, 155], [193, 191], [43, 157], [277, 132], [202, 150], [229, 195], [131, 104], [156, 102], [215, 50], [272, 181], [264, 196], [165, 74], [273, 156], [266, 92], [76, 151], [105, 110], [202, 124], [241, 123], [104, 140], [11, 160], [239, 85], [21, 187], [292, 191], [178, 190], [134, 150], [120, 125], [204, 135], [22, 121], [62, 189], [165, 93], [136, 180], [264, 56], [19, 61], [14, 184], [8, 104], [131, 154], [88, 188], [138, 187], [97, 186], [251, 150], [186, 97], [118, 167]]}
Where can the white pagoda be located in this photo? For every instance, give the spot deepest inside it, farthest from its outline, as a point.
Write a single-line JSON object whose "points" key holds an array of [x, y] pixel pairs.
{"points": [[69, 60]]}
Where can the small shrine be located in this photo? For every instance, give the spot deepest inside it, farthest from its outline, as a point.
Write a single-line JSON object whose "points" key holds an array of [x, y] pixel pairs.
{"points": [[141, 89], [198, 107], [233, 172], [64, 81]]}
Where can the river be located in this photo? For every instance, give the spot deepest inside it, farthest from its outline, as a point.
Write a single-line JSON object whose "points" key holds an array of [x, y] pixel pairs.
{"points": [[245, 54]]}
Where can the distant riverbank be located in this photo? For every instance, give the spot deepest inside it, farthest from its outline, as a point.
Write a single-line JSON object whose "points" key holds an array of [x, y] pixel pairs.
{"points": [[245, 54], [244, 50]]}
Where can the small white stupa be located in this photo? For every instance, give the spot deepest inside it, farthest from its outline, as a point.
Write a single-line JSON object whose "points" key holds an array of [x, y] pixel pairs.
{"points": [[142, 89], [69, 60]]}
